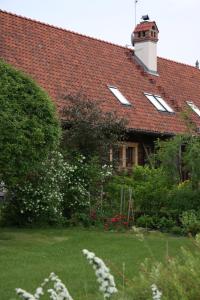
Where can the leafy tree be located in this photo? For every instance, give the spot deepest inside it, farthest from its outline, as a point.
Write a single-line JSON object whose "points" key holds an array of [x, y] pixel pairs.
{"points": [[29, 127], [180, 158], [88, 129], [170, 157]]}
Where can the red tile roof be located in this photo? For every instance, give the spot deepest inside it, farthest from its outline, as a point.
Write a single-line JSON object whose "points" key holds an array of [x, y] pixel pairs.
{"points": [[64, 62], [143, 26]]}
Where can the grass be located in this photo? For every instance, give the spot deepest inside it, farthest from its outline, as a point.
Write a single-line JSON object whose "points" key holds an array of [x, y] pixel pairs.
{"points": [[28, 256]]}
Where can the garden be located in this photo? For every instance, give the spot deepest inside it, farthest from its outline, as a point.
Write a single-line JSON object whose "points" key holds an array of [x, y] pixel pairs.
{"points": [[61, 195]]}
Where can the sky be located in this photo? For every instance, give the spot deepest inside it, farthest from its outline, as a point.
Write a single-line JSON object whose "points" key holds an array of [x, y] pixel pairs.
{"points": [[114, 20]]}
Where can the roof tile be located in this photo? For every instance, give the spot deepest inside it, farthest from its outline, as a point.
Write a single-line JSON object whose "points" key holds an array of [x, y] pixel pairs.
{"points": [[64, 62]]}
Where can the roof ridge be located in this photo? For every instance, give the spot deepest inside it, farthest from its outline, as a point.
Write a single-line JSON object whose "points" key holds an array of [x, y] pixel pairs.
{"points": [[61, 28], [177, 62]]}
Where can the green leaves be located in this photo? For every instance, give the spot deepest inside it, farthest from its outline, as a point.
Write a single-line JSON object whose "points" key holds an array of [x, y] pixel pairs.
{"points": [[29, 127]]}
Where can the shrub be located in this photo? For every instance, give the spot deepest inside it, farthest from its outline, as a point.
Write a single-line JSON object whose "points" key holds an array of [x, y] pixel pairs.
{"points": [[155, 222], [176, 278], [84, 179], [39, 200], [183, 197], [148, 187], [145, 222], [29, 127], [191, 222], [88, 129]]}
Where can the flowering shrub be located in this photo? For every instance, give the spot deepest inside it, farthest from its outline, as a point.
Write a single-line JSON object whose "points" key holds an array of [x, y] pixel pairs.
{"points": [[82, 184], [104, 278], [58, 292], [58, 190], [39, 199]]}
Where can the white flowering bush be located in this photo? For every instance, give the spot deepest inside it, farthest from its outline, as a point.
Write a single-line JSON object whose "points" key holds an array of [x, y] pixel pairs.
{"points": [[104, 278], [39, 199], [83, 182], [57, 191], [58, 292]]}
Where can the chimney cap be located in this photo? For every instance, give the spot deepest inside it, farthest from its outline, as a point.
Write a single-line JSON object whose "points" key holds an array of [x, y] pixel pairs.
{"points": [[144, 26]]}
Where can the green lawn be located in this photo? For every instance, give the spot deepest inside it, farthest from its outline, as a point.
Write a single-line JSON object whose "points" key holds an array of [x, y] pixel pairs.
{"points": [[28, 256]]}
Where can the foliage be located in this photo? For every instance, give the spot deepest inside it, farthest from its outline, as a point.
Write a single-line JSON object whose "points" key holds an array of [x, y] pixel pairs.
{"points": [[177, 278], [168, 154], [59, 189], [39, 200], [192, 160], [183, 197], [155, 222], [179, 157], [29, 127], [88, 129], [149, 188], [191, 222], [84, 180]]}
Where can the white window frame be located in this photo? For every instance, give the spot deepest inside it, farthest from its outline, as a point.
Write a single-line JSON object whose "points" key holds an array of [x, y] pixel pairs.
{"points": [[159, 103], [193, 107], [120, 97]]}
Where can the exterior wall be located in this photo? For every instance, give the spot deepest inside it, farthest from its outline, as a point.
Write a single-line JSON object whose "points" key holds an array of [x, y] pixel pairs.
{"points": [[146, 52]]}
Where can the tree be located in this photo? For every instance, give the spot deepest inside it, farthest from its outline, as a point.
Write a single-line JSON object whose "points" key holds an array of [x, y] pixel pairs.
{"points": [[29, 127], [88, 129]]}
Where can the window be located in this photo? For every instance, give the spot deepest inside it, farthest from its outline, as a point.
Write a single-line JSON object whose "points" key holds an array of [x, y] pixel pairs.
{"points": [[194, 107], [125, 155], [119, 95], [159, 103]]}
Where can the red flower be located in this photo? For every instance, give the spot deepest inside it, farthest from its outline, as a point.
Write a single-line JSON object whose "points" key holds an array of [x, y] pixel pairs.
{"points": [[114, 220]]}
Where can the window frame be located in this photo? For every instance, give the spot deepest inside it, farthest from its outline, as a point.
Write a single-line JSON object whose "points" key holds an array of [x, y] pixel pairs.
{"points": [[118, 95], [194, 107], [159, 103], [123, 159]]}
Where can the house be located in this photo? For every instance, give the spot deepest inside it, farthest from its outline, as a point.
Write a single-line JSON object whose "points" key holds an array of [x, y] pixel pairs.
{"points": [[149, 91]]}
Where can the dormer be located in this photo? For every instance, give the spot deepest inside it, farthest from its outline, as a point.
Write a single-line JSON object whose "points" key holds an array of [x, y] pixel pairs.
{"points": [[144, 39]]}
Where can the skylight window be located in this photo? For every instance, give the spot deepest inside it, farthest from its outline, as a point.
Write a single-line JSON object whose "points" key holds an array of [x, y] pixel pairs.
{"points": [[159, 103], [119, 95], [194, 107]]}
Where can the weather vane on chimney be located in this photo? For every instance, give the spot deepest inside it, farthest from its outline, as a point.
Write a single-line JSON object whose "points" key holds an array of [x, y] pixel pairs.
{"points": [[136, 1]]}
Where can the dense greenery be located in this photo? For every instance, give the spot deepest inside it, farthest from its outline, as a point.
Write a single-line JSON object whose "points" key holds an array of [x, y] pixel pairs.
{"points": [[166, 190], [176, 278], [88, 129], [29, 256], [29, 128]]}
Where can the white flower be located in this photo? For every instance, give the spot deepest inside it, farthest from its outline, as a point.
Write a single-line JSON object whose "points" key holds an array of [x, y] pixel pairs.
{"points": [[25, 295], [156, 293], [104, 278]]}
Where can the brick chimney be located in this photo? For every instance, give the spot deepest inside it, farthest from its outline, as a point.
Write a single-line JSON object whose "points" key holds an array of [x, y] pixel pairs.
{"points": [[144, 40]]}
